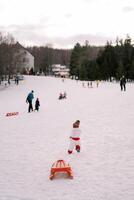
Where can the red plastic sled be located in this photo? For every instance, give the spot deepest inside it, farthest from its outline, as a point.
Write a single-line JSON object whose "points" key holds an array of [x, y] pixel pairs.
{"points": [[11, 114], [60, 166]]}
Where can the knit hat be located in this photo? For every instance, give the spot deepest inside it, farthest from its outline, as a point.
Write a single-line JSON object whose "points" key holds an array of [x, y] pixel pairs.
{"points": [[76, 124]]}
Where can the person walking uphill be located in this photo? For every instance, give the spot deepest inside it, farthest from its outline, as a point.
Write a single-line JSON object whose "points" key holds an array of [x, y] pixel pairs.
{"points": [[29, 99], [123, 83], [75, 138]]}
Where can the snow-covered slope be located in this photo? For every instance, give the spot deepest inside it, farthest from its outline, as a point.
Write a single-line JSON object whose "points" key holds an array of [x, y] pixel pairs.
{"points": [[31, 142]]}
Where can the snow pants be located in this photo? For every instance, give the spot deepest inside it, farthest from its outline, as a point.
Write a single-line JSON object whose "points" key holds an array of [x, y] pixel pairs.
{"points": [[123, 87], [30, 107], [37, 107], [74, 144]]}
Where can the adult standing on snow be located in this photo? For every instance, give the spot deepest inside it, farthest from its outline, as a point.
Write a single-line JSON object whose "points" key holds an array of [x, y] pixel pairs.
{"points": [[29, 99], [123, 83]]}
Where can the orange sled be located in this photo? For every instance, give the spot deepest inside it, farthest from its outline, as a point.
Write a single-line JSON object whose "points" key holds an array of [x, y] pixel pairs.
{"points": [[60, 166]]}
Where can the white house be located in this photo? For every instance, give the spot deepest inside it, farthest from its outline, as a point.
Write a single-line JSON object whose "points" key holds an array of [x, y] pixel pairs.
{"points": [[60, 70], [23, 59]]}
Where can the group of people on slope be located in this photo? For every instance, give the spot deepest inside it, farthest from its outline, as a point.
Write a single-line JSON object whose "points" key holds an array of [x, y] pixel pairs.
{"points": [[76, 131], [29, 100]]}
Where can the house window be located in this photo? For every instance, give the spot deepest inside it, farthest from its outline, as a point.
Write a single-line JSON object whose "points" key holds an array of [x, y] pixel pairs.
{"points": [[25, 60]]}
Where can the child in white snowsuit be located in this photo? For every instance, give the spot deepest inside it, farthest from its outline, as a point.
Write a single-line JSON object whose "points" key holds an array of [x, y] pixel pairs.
{"points": [[75, 138]]}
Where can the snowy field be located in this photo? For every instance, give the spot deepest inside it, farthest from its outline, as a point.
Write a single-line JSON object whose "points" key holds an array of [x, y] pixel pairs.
{"points": [[31, 142]]}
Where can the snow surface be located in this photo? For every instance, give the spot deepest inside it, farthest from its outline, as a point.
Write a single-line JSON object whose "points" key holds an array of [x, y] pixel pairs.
{"points": [[31, 142]]}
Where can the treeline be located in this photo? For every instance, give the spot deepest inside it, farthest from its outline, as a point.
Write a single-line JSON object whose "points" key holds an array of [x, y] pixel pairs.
{"points": [[45, 57], [112, 61], [6, 54], [85, 62]]}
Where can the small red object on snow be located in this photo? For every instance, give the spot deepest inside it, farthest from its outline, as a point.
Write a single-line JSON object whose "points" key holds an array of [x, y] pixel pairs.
{"points": [[60, 166], [11, 114]]}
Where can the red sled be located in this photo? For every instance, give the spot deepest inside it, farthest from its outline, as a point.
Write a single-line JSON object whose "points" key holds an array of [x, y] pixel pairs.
{"points": [[12, 114], [60, 167]]}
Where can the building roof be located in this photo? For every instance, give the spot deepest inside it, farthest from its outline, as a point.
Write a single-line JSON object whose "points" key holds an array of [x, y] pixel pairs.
{"points": [[19, 46]]}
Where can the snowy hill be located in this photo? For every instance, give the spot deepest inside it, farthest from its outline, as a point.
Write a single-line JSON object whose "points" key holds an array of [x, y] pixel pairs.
{"points": [[31, 142]]}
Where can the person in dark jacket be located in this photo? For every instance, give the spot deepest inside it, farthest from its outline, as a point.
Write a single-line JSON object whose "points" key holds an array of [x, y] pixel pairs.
{"points": [[60, 96], [37, 104], [123, 83], [29, 99]]}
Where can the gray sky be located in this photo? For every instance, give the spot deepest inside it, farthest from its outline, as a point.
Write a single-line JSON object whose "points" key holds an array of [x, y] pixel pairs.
{"points": [[62, 23]]}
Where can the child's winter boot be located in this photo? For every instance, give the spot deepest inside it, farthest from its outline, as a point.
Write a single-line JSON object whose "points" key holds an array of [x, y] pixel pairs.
{"points": [[78, 148], [69, 152]]}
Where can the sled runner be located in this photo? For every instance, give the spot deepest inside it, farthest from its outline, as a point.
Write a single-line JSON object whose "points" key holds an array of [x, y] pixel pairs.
{"points": [[62, 167]]}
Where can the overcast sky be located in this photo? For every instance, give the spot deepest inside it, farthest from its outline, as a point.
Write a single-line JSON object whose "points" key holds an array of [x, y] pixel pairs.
{"points": [[62, 23]]}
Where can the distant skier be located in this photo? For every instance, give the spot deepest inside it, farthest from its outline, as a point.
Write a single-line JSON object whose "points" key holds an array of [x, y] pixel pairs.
{"points": [[60, 96], [9, 80], [29, 99], [83, 85], [97, 83], [75, 138], [89, 84], [37, 104], [64, 96], [16, 80], [123, 83]]}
